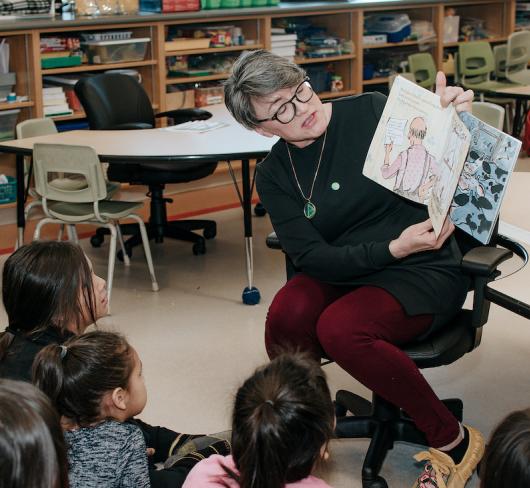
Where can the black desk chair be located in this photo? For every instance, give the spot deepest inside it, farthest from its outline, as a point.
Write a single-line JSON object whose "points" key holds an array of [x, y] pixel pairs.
{"points": [[385, 423], [114, 101]]}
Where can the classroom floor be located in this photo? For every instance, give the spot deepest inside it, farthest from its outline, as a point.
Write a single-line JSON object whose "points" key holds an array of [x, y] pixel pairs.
{"points": [[198, 341]]}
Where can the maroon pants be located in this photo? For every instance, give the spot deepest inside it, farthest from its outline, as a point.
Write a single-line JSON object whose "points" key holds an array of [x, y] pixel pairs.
{"points": [[361, 329]]}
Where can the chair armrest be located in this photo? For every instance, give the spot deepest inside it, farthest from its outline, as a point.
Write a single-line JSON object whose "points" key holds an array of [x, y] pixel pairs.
{"points": [[272, 241], [186, 115], [131, 126], [483, 261]]}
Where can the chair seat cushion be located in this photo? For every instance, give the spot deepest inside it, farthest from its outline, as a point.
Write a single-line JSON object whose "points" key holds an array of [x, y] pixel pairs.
{"points": [[445, 345], [77, 212]]}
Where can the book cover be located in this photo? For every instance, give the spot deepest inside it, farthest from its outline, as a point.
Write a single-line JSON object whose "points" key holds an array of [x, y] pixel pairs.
{"points": [[454, 164]]}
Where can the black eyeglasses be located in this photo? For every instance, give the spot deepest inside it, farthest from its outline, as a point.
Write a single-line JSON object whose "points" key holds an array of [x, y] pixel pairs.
{"points": [[287, 111]]}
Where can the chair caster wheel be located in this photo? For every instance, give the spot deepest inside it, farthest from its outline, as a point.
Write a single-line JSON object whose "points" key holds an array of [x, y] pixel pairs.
{"points": [[210, 232], [96, 240], [377, 482], [120, 253], [259, 210], [199, 247]]}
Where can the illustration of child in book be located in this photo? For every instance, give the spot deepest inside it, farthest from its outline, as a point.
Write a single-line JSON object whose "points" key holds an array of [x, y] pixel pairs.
{"points": [[414, 168]]}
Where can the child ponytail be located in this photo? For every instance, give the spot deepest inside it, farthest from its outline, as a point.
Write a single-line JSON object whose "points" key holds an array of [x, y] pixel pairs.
{"points": [[283, 416], [78, 374]]}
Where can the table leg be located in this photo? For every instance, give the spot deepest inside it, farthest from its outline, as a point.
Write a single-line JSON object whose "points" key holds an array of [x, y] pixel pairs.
{"points": [[21, 221], [251, 295], [516, 122]]}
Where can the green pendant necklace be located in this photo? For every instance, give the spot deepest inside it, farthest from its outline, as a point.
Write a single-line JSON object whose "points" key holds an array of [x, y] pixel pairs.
{"points": [[310, 208]]}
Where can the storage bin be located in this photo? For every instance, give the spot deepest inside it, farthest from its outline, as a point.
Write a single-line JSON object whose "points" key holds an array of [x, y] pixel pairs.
{"points": [[259, 3], [106, 36], [180, 99], [166, 6], [8, 122], [368, 71], [104, 52], [397, 27], [185, 43], [210, 95], [210, 4], [7, 82], [8, 191], [230, 3], [60, 62]]}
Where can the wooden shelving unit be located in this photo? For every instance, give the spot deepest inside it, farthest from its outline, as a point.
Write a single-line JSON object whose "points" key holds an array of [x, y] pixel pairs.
{"points": [[214, 50], [13, 105], [98, 67]]}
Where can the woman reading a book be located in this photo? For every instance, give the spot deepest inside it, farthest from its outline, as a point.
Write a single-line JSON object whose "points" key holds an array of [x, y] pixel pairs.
{"points": [[372, 274]]}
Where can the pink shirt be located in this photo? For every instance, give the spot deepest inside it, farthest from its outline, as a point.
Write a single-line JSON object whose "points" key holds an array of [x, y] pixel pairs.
{"points": [[210, 473], [412, 166]]}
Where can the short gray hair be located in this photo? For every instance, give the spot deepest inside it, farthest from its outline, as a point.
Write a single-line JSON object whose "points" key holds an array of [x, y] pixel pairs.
{"points": [[257, 74]]}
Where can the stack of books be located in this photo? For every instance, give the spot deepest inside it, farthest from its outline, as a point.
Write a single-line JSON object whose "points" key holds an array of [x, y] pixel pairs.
{"points": [[283, 44], [66, 83], [55, 102]]}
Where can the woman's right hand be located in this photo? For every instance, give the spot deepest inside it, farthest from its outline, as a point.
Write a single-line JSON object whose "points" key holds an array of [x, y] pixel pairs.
{"points": [[420, 237]]}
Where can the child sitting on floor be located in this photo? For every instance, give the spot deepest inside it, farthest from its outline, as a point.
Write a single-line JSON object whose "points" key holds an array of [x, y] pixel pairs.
{"points": [[95, 382], [282, 422], [506, 462]]}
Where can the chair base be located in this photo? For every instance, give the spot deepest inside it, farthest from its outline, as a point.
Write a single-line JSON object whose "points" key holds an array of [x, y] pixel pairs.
{"points": [[384, 425]]}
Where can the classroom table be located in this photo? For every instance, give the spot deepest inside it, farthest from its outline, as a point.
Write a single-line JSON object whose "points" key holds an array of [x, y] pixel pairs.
{"points": [[225, 144], [521, 95]]}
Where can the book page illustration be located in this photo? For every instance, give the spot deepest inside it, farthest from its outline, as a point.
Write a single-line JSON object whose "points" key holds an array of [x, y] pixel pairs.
{"points": [[451, 163], [482, 185]]}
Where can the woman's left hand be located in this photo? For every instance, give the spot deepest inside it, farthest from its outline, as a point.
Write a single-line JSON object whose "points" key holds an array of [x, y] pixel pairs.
{"points": [[453, 94]]}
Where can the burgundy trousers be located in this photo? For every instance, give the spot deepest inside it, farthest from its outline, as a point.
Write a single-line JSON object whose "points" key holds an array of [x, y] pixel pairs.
{"points": [[361, 329]]}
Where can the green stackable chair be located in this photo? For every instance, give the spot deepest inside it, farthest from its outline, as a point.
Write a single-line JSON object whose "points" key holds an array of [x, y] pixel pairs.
{"points": [[500, 52], [423, 68], [489, 113], [46, 127], [476, 64], [517, 58], [83, 205]]}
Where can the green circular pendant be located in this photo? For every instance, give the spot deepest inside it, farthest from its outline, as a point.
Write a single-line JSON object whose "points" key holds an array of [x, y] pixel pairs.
{"points": [[309, 210]]}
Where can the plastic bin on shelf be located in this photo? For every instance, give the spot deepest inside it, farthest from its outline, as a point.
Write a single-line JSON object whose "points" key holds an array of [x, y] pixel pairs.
{"points": [[397, 27], [105, 52], [106, 36], [7, 82], [8, 191], [210, 4], [8, 122]]}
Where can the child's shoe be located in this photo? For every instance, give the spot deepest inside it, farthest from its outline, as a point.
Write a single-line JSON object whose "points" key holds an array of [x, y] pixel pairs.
{"points": [[440, 470]]}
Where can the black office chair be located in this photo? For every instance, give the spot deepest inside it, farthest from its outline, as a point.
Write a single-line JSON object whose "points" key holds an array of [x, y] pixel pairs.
{"points": [[114, 101], [385, 423]]}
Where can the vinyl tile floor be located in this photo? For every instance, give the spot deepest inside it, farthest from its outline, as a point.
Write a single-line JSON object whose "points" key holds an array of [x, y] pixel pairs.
{"points": [[198, 342]]}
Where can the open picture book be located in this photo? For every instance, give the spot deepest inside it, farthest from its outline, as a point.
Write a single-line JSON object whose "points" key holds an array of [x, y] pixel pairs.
{"points": [[453, 163]]}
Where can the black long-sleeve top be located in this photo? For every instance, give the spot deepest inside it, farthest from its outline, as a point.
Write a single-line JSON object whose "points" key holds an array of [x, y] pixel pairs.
{"points": [[347, 241]]}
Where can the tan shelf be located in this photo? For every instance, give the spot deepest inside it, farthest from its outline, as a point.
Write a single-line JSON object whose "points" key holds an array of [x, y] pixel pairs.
{"points": [[214, 50], [196, 79], [8, 205], [74, 116], [398, 44], [489, 39], [327, 59], [98, 67], [13, 105], [376, 81], [343, 93]]}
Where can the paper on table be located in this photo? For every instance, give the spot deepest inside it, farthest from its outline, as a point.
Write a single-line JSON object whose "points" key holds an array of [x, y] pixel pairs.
{"points": [[395, 130], [198, 126]]}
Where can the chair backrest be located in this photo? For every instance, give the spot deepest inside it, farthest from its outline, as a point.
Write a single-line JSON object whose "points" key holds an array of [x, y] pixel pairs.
{"points": [[500, 53], [475, 61], [518, 52], [489, 113], [392, 78], [114, 99], [422, 66], [35, 128], [50, 159]]}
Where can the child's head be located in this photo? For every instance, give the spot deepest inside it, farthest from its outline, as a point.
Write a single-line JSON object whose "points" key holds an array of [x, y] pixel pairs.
{"points": [[282, 421], [507, 458], [32, 447], [92, 377], [49, 283]]}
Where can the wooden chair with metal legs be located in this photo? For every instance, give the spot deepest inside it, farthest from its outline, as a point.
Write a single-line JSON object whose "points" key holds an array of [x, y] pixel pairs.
{"points": [[87, 204]]}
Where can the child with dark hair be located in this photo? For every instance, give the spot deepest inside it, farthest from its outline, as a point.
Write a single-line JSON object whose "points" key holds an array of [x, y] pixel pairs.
{"points": [[95, 382], [506, 463], [50, 293], [282, 422], [32, 447]]}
